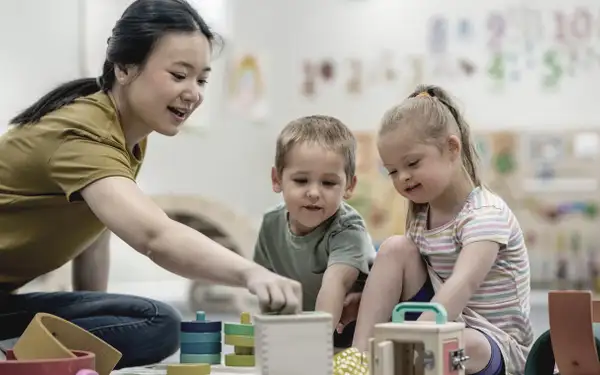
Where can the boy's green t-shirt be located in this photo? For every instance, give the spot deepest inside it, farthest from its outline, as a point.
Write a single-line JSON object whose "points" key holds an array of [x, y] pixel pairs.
{"points": [[343, 238]]}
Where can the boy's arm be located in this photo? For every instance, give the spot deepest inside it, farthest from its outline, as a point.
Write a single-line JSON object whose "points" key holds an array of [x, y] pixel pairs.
{"points": [[350, 251], [337, 282], [481, 234]]}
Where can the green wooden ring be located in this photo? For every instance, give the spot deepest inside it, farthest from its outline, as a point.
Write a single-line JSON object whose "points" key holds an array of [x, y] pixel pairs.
{"points": [[245, 341], [238, 329], [212, 359], [235, 360]]}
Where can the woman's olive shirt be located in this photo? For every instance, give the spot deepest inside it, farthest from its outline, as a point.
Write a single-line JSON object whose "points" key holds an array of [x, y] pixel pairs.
{"points": [[44, 223]]}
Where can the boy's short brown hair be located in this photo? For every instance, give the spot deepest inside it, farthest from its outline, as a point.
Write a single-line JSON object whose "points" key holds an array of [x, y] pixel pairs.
{"points": [[326, 131]]}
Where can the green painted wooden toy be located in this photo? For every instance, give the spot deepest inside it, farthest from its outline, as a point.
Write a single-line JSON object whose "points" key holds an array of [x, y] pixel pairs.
{"points": [[241, 337]]}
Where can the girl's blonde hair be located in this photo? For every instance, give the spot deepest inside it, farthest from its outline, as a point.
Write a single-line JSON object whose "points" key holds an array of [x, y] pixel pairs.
{"points": [[433, 113]]}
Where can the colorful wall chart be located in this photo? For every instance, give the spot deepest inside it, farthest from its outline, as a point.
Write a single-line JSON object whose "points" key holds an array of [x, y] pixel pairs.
{"points": [[517, 42]]}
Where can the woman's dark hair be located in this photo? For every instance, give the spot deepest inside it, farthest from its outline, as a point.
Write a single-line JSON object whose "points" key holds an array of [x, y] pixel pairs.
{"points": [[133, 38]]}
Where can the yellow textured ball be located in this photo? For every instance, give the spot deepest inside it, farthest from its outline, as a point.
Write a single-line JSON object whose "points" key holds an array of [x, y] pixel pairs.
{"points": [[350, 362]]}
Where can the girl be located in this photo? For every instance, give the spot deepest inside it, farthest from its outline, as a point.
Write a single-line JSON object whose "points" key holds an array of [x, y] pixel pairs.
{"points": [[67, 178], [463, 246]]}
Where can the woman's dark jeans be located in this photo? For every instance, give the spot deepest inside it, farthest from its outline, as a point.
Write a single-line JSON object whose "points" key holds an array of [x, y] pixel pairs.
{"points": [[143, 330]]}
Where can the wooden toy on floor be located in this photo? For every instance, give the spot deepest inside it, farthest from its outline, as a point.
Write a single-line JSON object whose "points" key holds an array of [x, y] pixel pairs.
{"points": [[439, 345], [188, 369], [53, 346], [294, 344], [81, 365], [572, 344], [241, 336], [200, 341]]}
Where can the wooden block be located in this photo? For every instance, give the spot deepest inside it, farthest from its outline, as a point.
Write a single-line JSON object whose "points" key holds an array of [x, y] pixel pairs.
{"points": [[188, 369], [213, 359], [236, 360], [244, 341]]}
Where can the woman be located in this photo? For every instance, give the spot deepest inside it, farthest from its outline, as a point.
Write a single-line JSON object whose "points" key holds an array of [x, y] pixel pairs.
{"points": [[67, 172]]}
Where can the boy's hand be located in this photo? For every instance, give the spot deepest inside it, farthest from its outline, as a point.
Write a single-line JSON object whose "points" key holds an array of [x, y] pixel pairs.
{"points": [[350, 311]]}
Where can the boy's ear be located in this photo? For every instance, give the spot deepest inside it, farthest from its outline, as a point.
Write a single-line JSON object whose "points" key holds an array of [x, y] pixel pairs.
{"points": [[350, 188], [275, 180]]}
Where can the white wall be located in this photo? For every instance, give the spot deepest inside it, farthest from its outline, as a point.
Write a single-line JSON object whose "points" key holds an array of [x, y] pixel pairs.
{"points": [[38, 52]]}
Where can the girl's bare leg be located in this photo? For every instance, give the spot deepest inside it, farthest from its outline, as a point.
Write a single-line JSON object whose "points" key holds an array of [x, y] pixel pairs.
{"points": [[479, 350], [398, 273]]}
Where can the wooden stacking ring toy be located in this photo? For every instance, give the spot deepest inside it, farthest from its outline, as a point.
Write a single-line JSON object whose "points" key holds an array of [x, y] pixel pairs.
{"points": [[241, 337], [200, 342], [53, 346]]}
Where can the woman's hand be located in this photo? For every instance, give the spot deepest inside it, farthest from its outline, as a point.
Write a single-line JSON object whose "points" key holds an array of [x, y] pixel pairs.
{"points": [[275, 293]]}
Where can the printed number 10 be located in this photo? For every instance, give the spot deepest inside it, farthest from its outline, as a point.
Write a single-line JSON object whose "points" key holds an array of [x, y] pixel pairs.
{"points": [[579, 25]]}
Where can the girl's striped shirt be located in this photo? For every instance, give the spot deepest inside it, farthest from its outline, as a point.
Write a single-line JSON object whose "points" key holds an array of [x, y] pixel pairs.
{"points": [[500, 307]]}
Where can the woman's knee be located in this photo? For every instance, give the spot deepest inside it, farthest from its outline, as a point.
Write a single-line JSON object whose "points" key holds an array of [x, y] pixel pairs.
{"points": [[165, 329], [145, 334]]}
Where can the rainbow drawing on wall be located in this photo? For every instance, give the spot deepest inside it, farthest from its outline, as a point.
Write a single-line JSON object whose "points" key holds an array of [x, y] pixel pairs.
{"points": [[247, 88]]}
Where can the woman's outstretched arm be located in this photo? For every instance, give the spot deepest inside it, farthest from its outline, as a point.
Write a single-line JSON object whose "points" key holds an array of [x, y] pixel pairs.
{"points": [[136, 219]]}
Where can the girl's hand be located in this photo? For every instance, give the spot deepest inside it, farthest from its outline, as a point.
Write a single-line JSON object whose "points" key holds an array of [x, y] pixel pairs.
{"points": [[350, 310]]}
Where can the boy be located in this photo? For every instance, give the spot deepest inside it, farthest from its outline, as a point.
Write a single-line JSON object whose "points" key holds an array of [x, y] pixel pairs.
{"points": [[315, 237]]}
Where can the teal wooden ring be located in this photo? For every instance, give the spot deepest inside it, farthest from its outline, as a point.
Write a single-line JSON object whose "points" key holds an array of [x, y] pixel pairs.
{"points": [[201, 348], [192, 337]]}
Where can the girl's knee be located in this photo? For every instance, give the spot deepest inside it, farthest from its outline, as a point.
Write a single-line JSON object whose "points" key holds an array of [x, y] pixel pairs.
{"points": [[477, 346], [398, 247], [479, 350]]}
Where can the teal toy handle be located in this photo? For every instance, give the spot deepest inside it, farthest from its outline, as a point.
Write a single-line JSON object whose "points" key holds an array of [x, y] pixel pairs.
{"points": [[441, 316]]}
